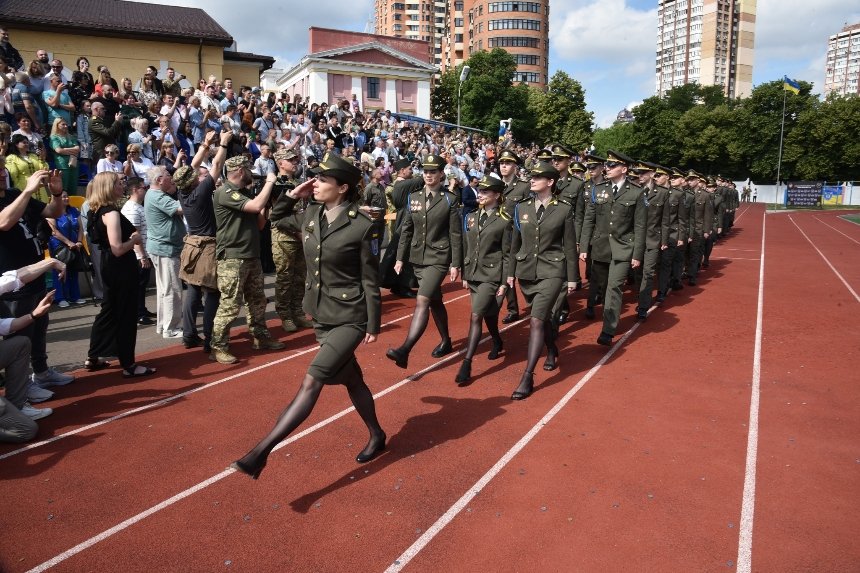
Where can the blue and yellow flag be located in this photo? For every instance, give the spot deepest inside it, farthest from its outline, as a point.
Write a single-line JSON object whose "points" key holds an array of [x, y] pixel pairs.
{"points": [[790, 85]]}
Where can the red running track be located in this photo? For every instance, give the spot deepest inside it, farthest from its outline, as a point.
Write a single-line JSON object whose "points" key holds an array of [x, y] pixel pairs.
{"points": [[635, 461]]}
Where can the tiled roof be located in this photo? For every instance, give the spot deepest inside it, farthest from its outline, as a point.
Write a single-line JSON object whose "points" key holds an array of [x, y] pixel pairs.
{"points": [[116, 18]]}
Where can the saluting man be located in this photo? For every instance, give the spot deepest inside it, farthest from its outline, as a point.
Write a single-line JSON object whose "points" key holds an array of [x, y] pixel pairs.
{"points": [[516, 189], [654, 196], [674, 233], [614, 225]]}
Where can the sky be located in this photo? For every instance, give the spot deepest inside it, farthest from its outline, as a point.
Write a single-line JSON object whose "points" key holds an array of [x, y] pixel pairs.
{"points": [[607, 45]]}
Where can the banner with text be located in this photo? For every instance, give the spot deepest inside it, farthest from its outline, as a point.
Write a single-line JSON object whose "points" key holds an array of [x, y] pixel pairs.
{"points": [[803, 194]]}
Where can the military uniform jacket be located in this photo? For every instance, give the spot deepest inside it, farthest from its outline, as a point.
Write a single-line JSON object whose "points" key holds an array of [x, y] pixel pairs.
{"points": [[432, 235], [290, 225], [342, 283], [655, 203], [701, 214], [573, 191], [400, 196], [545, 249], [487, 249], [615, 227], [719, 209], [515, 192], [675, 218]]}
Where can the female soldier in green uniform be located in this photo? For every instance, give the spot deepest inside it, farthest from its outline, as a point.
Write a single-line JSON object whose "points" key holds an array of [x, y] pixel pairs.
{"points": [[342, 296], [544, 259], [486, 257], [430, 239]]}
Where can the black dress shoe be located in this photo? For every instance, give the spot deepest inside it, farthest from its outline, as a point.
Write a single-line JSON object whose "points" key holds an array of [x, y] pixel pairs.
{"points": [[498, 346], [604, 339], [511, 317], [192, 342], [404, 293], [399, 356], [371, 451], [661, 296], [527, 383], [677, 285], [642, 315], [465, 373], [207, 347], [251, 469], [145, 320], [562, 316], [442, 349], [706, 264], [149, 313], [589, 312], [693, 282]]}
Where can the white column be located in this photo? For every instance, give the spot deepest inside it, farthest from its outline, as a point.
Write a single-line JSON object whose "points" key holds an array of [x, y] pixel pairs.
{"points": [[318, 86], [422, 106], [390, 95], [356, 89]]}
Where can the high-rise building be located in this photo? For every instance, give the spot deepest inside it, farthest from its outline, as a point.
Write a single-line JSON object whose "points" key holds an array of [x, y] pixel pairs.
{"points": [[457, 29], [709, 42], [843, 62]]}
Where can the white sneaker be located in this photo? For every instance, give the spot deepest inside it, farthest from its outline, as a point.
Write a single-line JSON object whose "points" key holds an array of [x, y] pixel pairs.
{"points": [[79, 301], [51, 377], [172, 333], [36, 393], [63, 304], [35, 413]]}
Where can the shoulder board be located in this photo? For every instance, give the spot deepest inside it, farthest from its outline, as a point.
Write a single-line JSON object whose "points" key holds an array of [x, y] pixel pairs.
{"points": [[525, 199], [564, 200], [353, 213], [504, 215]]}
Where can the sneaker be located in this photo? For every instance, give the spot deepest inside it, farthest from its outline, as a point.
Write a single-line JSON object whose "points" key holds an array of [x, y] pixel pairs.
{"points": [[172, 333], [79, 301], [36, 393], [51, 377], [63, 304], [267, 344], [35, 413], [223, 356]]}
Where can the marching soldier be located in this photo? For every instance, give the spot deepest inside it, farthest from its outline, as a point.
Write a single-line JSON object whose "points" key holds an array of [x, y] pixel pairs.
{"points": [[701, 219], [516, 189], [397, 196], [614, 225], [238, 218], [719, 206], [674, 235], [655, 196], [570, 188], [486, 259], [596, 291], [287, 245]]}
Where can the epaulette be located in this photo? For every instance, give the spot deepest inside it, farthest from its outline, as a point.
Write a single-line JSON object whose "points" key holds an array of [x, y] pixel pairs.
{"points": [[503, 213], [564, 200], [353, 213], [524, 199]]}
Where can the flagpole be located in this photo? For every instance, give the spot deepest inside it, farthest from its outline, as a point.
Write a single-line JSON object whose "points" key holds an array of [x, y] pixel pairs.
{"points": [[781, 132]]}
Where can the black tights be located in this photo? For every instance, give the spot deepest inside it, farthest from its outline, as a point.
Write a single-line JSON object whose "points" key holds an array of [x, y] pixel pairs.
{"points": [[424, 307], [303, 404], [492, 323]]}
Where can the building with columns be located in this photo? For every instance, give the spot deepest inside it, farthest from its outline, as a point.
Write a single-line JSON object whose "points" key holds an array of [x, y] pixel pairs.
{"points": [[384, 73]]}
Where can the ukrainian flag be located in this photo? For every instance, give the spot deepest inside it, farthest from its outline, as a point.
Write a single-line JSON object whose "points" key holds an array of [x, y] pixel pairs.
{"points": [[790, 85]]}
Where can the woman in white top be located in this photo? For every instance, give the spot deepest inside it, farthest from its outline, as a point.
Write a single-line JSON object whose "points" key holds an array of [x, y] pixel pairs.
{"points": [[142, 137], [137, 165], [110, 162]]}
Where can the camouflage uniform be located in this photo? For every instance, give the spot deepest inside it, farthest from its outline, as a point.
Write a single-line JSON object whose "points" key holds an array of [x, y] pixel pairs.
{"points": [[288, 255], [238, 279]]}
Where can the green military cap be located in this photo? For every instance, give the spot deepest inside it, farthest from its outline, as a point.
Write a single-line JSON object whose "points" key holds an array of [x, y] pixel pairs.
{"points": [[434, 162], [285, 154], [591, 160], [661, 170], [544, 155], [613, 156], [676, 172], [336, 166], [508, 155], [711, 182], [544, 169], [642, 166], [401, 164], [185, 177], [577, 166], [236, 163], [693, 174], [562, 151], [492, 182]]}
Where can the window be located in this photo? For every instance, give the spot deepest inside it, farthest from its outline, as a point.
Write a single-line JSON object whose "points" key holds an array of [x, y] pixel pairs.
{"points": [[527, 77], [514, 7], [458, 22], [528, 60], [458, 5], [514, 24], [372, 88], [458, 38], [514, 42]]}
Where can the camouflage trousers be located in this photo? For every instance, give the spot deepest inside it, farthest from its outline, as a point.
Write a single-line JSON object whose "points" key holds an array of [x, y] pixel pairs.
{"points": [[238, 280], [290, 271]]}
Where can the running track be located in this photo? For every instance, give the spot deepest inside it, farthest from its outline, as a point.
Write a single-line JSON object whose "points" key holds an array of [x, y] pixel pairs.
{"points": [[722, 434]]}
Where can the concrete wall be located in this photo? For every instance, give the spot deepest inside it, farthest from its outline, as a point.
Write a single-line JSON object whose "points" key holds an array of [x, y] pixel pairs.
{"points": [[768, 193]]}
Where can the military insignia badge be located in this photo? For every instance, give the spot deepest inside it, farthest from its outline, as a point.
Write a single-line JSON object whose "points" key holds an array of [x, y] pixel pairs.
{"points": [[525, 216], [235, 196], [351, 214], [374, 247]]}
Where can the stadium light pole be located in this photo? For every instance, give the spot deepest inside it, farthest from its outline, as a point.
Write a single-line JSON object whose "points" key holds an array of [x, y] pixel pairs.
{"points": [[464, 74]]}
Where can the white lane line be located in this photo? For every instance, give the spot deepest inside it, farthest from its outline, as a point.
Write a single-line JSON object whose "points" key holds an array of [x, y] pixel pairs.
{"points": [[744, 562], [826, 260], [175, 397], [742, 214], [835, 229], [413, 550], [733, 258], [229, 471]]}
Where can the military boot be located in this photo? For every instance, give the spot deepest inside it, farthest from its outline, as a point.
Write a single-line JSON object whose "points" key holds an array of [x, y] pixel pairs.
{"points": [[223, 356], [301, 321], [267, 343], [289, 325]]}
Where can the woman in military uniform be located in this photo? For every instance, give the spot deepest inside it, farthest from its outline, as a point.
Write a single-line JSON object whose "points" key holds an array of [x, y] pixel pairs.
{"points": [[342, 296], [486, 258], [544, 259], [430, 239]]}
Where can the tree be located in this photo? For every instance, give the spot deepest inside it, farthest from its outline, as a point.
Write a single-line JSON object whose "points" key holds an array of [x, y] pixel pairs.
{"points": [[823, 144], [616, 137], [485, 98], [443, 100], [561, 113]]}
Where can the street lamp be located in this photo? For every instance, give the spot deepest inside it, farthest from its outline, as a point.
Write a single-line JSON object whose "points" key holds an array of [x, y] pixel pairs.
{"points": [[463, 75]]}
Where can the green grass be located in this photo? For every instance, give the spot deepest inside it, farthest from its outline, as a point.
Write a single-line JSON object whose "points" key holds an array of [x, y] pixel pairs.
{"points": [[853, 218], [781, 206]]}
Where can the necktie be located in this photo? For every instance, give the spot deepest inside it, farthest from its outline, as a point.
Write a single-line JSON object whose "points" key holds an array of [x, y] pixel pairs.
{"points": [[323, 223], [483, 219], [540, 211], [429, 198], [614, 191]]}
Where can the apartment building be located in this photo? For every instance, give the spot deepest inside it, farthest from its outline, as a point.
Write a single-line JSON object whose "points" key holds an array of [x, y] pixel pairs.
{"points": [[843, 62], [709, 42], [458, 28]]}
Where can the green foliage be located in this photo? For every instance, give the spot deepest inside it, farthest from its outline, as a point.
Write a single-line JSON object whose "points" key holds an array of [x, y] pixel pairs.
{"points": [[561, 114], [443, 100], [617, 137]]}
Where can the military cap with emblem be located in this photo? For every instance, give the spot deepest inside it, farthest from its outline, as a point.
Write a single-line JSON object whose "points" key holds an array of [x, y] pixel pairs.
{"points": [[643, 166], [492, 182], [676, 172], [401, 164], [613, 156], [544, 169], [236, 163], [544, 155], [185, 177], [577, 166], [339, 168], [711, 182], [561, 151], [661, 170], [287, 154], [508, 155], [693, 174], [591, 160], [434, 162]]}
